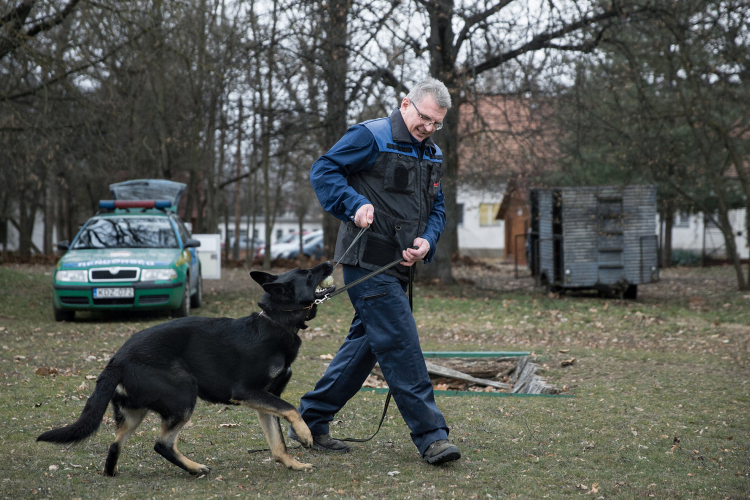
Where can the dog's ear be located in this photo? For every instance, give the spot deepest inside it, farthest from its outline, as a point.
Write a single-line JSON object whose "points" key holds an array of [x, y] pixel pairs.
{"points": [[278, 290], [262, 278]]}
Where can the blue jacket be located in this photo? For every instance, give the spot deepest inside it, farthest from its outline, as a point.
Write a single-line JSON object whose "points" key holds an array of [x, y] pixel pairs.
{"points": [[380, 163]]}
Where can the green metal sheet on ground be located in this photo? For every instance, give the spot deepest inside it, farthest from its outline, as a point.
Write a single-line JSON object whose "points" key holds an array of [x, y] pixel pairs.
{"points": [[373, 390], [474, 354]]}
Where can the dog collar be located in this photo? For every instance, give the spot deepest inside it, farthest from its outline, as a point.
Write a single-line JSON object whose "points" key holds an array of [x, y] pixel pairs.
{"points": [[269, 318]]}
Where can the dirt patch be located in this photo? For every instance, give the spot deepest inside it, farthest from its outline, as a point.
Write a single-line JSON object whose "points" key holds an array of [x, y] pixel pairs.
{"points": [[493, 274], [674, 283]]}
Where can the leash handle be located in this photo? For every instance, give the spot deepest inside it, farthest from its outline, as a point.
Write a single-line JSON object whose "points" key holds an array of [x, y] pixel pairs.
{"points": [[363, 278], [356, 238]]}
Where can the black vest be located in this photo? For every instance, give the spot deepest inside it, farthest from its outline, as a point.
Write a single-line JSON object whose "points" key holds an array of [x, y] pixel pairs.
{"points": [[402, 188]]}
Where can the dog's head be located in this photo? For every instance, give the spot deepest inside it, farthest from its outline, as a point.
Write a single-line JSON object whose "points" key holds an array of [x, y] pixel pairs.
{"points": [[293, 292]]}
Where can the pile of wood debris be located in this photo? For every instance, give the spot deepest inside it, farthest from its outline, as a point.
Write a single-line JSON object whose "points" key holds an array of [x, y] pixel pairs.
{"points": [[518, 375]]}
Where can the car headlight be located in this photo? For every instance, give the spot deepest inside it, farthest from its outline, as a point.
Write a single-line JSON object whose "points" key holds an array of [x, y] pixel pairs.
{"points": [[78, 275], [158, 274]]}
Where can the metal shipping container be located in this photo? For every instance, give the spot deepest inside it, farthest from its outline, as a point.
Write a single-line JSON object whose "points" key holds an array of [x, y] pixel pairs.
{"points": [[595, 237]]}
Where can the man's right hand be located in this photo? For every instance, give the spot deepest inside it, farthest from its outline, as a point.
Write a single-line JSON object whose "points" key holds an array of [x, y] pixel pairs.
{"points": [[364, 215]]}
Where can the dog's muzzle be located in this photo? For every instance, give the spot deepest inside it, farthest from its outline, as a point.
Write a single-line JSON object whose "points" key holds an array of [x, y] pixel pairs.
{"points": [[324, 288]]}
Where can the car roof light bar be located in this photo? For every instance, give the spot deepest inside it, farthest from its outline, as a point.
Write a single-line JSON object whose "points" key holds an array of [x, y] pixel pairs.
{"points": [[112, 204]]}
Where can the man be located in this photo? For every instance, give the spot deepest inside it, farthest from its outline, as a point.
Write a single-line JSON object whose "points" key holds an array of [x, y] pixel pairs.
{"points": [[384, 174]]}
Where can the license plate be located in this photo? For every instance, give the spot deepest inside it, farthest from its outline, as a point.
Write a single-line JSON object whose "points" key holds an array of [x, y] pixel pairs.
{"points": [[108, 293]]}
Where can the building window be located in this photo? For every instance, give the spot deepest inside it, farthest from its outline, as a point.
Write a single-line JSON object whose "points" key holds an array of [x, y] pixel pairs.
{"points": [[487, 213], [255, 233], [460, 213], [279, 234], [681, 219]]}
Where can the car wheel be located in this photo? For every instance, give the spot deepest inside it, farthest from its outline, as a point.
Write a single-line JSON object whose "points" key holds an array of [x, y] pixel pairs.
{"points": [[62, 315], [184, 310], [197, 298]]}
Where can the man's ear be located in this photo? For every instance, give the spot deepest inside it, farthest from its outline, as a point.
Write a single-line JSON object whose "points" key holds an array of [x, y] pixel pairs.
{"points": [[278, 289], [262, 278]]}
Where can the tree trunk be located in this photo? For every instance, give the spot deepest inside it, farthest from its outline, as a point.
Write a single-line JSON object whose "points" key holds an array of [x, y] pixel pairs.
{"points": [[49, 215], [238, 188], [442, 67], [669, 214], [335, 65], [266, 126], [27, 218]]}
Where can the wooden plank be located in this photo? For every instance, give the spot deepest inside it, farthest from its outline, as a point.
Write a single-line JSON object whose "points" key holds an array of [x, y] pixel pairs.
{"points": [[434, 369], [526, 381]]}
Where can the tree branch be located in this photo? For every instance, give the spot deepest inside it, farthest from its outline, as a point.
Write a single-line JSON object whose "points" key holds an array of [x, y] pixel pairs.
{"points": [[15, 18], [69, 72], [540, 41], [471, 21]]}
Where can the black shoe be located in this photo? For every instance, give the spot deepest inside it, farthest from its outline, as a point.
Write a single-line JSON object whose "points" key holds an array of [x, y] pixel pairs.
{"points": [[441, 451], [323, 442]]}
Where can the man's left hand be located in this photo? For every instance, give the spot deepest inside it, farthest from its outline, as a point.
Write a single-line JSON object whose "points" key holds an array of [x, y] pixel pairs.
{"points": [[412, 255]]}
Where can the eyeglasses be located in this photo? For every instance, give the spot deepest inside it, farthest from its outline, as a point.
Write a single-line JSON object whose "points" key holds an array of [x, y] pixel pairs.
{"points": [[428, 121]]}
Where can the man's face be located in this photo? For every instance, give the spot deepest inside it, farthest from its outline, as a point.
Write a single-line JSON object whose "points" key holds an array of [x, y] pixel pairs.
{"points": [[431, 112]]}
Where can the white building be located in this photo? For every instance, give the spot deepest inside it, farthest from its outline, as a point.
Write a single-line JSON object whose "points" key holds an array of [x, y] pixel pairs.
{"points": [[284, 225], [688, 234], [479, 233]]}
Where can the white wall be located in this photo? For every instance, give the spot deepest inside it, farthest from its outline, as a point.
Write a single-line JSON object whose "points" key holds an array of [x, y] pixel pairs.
{"points": [[690, 236], [474, 239], [286, 226]]}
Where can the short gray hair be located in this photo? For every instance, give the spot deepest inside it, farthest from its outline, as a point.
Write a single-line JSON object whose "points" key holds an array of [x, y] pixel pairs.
{"points": [[433, 87]]}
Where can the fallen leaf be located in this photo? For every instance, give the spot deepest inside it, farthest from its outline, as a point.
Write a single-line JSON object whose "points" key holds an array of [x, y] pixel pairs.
{"points": [[563, 351], [394, 473], [229, 425], [44, 371], [567, 362], [325, 356]]}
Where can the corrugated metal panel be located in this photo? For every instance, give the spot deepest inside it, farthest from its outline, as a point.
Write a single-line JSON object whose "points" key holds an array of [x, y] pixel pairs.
{"points": [[608, 235], [641, 256], [579, 225], [545, 233]]}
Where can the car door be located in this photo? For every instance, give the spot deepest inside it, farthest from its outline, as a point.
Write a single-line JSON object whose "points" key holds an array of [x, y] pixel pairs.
{"points": [[184, 236]]}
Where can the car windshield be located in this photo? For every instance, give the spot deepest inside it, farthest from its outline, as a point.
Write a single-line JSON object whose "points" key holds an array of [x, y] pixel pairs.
{"points": [[289, 238], [310, 238], [127, 232]]}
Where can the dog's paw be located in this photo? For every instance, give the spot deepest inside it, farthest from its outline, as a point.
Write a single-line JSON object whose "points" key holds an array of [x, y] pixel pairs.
{"points": [[199, 470], [304, 436], [292, 463], [300, 466]]}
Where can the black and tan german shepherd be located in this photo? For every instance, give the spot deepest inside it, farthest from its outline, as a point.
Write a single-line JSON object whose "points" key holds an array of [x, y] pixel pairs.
{"points": [[221, 360]]}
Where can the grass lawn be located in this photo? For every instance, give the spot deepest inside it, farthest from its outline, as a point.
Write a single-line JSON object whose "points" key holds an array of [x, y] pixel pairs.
{"points": [[662, 406]]}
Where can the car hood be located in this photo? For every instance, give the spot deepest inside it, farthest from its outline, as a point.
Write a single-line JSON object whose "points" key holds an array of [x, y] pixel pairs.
{"points": [[142, 257]]}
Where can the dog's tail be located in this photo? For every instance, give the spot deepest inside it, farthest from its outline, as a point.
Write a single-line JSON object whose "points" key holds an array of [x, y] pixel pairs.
{"points": [[92, 414]]}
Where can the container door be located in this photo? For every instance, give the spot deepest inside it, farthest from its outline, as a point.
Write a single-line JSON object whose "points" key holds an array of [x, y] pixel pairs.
{"points": [[611, 242]]}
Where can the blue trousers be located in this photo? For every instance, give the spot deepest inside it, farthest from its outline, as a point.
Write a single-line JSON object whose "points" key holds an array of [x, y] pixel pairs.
{"points": [[383, 330]]}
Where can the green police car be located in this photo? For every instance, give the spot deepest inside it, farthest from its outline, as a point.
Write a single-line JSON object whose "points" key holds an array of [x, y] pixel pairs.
{"points": [[135, 253]]}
